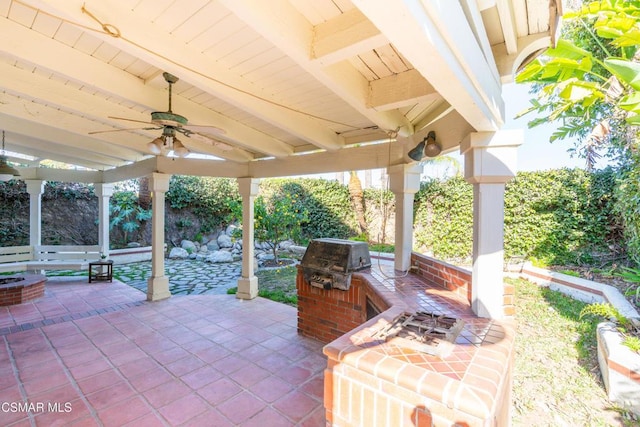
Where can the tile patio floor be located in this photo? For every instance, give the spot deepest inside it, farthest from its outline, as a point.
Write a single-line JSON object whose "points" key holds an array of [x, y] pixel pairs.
{"points": [[100, 355]]}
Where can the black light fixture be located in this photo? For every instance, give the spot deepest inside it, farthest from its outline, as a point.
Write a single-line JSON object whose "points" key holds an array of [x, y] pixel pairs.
{"points": [[427, 147], [6, 172]]}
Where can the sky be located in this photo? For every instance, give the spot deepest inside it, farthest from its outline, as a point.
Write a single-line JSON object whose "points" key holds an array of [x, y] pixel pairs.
{"points": [[536, 153]]}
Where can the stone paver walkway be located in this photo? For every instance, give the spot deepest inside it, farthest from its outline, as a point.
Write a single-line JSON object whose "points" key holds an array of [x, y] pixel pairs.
{"points": [[186, 277]]}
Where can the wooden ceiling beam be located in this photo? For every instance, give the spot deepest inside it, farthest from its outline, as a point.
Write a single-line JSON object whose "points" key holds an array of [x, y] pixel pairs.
{"points": [[344, 37], [167, 52], [399, 90], [435, 37], [91, 72], [286, 28]]}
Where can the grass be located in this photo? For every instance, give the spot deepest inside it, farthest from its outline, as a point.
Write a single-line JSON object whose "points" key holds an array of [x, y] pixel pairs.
{"points": [[277, 285], [556, 375]]}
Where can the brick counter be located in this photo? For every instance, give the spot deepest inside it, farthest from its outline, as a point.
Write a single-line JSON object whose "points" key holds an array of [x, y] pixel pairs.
{"points": [[372, 383]]}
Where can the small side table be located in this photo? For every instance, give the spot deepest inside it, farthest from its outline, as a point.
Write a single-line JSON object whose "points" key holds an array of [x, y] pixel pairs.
{"points": [[101, 271]]}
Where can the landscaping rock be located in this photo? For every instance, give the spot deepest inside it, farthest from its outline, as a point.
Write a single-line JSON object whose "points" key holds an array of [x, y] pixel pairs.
{"points": [[285, 245], [220, 256], [178, 253], [189, 246], [224, 241], [298, 250], [231, 229]]}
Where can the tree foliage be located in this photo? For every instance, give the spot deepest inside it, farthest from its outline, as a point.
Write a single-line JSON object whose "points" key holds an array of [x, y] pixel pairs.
{"points": [[279, 218], [588, 82]]}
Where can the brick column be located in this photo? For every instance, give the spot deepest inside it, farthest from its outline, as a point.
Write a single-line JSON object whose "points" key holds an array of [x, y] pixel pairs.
{"points": [[248, 282], [489, 162], [158, 283]]}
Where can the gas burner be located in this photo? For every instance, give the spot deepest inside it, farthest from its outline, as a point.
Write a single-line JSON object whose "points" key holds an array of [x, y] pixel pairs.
{"points": [[422, 331]]}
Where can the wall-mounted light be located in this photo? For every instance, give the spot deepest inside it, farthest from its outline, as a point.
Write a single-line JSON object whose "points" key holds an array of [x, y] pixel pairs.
{"points": [[427, 147], [7, 172]]}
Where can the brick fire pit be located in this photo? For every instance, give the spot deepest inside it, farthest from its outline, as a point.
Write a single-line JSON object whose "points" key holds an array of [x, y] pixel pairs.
{"points": [[20, 289]]}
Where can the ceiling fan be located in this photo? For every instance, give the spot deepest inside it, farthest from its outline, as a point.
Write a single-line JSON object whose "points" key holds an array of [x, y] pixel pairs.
{"points": [[172, 123]]}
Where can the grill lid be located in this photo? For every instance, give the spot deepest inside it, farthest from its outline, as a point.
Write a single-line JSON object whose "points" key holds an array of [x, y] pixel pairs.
{"points": [[328, 263]]}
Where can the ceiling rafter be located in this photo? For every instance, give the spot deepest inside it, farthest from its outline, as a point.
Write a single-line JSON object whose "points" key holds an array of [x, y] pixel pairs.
{"points": [[344, 37], [505, 10], [399, 90], [105, 78], [439, 43], [286, 28], [165, 51]]}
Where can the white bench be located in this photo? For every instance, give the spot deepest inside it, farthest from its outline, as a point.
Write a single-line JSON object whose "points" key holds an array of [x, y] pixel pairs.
{"points": [[47, 257]]}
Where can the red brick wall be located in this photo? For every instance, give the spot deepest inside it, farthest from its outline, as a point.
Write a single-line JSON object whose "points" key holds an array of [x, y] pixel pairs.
{"points": [[442, 274], [328, 314], [456, 279]]}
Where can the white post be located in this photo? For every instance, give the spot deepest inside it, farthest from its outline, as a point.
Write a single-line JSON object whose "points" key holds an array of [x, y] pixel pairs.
{"points": [[248, 282], [490, 161], [104, 193], [158, 283], [35, 188], [404, 182]]}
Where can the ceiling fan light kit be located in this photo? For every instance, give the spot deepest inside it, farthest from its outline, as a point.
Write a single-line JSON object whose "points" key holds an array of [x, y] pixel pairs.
{"points": [[170, 123]]}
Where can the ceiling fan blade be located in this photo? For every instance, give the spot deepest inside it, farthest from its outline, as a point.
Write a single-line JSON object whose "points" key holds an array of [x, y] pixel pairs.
{"points": [[131, 120], [123, 130], [204, 129], [208, 140]]}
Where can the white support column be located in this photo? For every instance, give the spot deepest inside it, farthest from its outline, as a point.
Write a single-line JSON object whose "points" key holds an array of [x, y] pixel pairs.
{"points": [[35, 188], [490, 160], [404, 181], [248, 282], [158, 283], [104, 193]]}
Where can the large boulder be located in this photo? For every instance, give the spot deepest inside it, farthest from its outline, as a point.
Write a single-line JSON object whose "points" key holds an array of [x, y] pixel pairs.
{"points": [[212, 245], [224, 241], [189, 246], [178, 253], [220, 256]]}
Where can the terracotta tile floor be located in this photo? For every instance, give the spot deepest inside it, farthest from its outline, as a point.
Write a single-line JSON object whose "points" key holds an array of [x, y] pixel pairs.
{"points": [[98, 354]]}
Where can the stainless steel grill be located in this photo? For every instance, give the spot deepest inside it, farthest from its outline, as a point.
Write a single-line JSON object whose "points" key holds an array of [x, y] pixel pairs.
{"points": [[329, 263]]}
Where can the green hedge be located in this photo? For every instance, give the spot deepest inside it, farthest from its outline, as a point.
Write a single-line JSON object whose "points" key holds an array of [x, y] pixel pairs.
{"points": [[328, 204], [561, 216], [207, 198], [443, 218]]}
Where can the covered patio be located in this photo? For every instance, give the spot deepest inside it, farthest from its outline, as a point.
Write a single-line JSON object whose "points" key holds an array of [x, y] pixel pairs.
{"points": [[270, 89]]}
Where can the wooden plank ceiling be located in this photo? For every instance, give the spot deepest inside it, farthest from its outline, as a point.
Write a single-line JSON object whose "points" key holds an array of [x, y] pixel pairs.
{"points": [[265, 80]]}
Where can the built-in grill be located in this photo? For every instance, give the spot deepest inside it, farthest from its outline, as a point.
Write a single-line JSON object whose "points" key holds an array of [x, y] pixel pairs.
{"points": [[422, 331], [329, 263]]}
